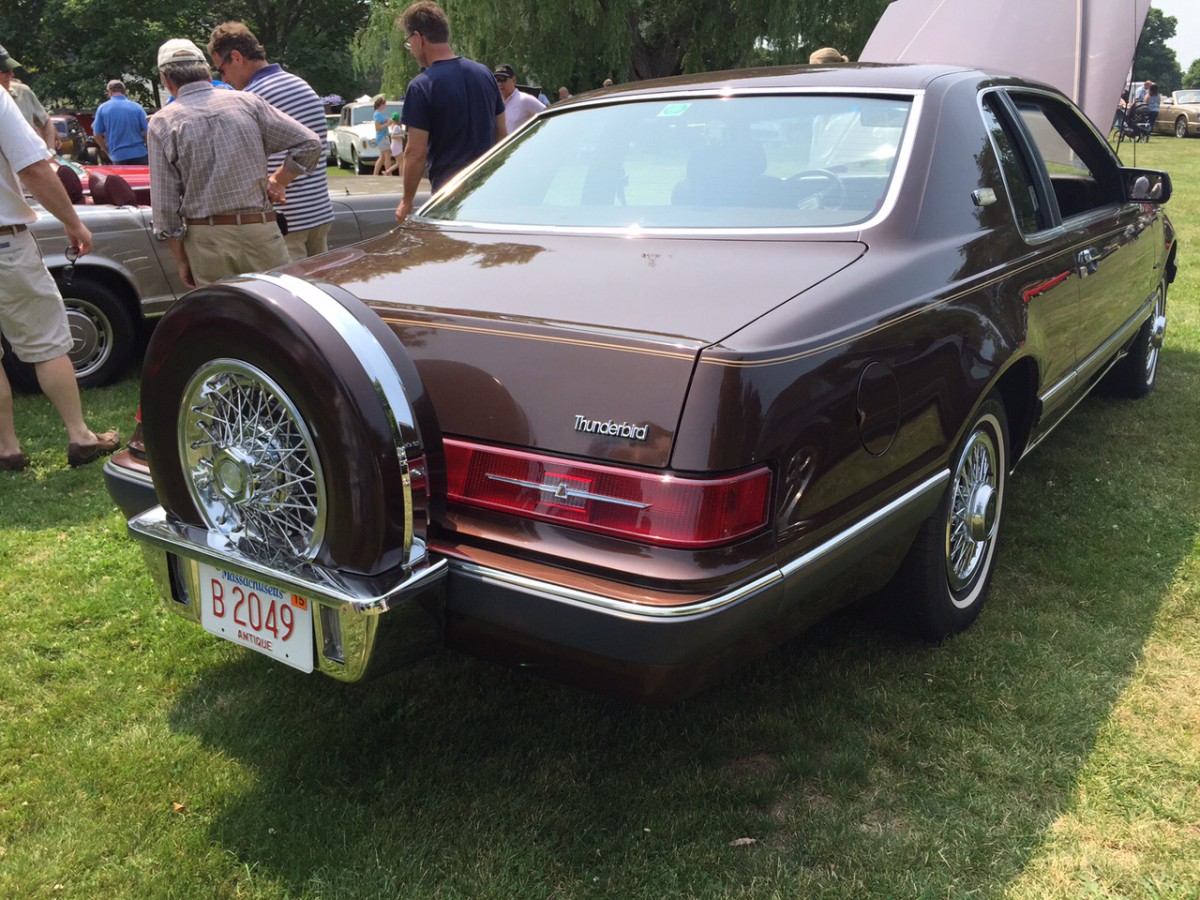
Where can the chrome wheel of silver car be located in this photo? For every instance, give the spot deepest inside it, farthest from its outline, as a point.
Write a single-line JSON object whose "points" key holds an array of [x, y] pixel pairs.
{"points": [[91, 337], [249, 460], [1181, 130]]}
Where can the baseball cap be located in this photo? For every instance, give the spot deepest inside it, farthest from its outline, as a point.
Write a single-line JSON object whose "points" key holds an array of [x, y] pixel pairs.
{"points": [[505, 69], [7, 63], [179, 50]]}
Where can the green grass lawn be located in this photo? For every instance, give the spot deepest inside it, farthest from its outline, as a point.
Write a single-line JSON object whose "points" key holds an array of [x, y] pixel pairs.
{"points": [[1051, 751]]}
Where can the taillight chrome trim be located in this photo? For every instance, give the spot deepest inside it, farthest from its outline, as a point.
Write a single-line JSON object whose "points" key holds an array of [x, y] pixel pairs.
{"points": [[562, 492]]}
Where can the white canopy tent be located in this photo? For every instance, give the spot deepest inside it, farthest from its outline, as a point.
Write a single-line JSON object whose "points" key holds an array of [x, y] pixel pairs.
{"points": [[1082, 47]]}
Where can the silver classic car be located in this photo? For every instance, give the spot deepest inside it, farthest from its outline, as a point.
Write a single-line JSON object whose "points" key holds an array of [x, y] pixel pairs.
{"points": [[130, 278]]}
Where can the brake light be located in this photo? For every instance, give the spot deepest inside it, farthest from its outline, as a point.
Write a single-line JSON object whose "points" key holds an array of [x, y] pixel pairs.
{"points": [[651, 507]]}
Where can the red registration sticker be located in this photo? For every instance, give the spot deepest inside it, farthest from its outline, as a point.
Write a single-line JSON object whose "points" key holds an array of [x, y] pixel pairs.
{"points": [[257, 615]]}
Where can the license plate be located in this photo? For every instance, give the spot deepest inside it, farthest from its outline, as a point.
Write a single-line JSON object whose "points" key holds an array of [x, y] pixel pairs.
{"points": [[257, 615]]}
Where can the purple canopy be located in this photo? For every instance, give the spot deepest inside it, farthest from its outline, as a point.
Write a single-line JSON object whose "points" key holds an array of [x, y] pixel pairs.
{"points": [[1082, 47]]}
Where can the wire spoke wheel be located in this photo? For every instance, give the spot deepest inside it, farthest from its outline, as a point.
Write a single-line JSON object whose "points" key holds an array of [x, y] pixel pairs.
{"points": [[249, 460], [970, 526]]}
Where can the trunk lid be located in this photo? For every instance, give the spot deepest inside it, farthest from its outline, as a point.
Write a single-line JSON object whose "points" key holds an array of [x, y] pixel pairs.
{"points": [[575, 344]]}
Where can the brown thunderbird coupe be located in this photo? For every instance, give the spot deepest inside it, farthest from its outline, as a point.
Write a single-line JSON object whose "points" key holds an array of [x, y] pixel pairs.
{"points": [[675, 370]]}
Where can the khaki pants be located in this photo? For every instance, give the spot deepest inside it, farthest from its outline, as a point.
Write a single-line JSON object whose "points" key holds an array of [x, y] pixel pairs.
{"points": [[309, 242], [220, 251], [32, 315]]}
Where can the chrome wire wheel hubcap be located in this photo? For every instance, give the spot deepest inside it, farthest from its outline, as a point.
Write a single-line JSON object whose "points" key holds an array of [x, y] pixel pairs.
{"points": [[249, 460], [974, 511]]}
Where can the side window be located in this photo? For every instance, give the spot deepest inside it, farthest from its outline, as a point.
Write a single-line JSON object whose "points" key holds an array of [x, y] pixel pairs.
{"points": [[1013, 168], [1081, 169]]}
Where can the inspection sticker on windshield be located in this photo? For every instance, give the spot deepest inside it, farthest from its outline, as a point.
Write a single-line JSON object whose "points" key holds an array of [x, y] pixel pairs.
{"points": [[257, 615], [674, 109]]}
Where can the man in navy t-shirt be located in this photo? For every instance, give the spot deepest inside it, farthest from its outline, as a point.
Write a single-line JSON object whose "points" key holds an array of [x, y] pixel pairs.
{"points": [[453, 110]]}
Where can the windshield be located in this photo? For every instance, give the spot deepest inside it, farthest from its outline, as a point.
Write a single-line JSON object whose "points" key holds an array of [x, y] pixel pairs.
{"points": [[1187, 96], [739, 162], [361, 114]]}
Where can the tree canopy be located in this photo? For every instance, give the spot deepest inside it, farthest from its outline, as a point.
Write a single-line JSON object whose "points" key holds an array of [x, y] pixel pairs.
{"points": [[70, 48], [579, 43], [1192, 78], [1155, 61]]}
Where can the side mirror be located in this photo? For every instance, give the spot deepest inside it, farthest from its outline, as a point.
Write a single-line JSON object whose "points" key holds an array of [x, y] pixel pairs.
{"points": [[1147, 185]]}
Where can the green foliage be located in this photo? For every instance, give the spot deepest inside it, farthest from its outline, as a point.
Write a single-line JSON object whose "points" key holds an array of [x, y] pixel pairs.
{"points": [[579, 43], [1192, 78], [70, 48], [1154, 60]]}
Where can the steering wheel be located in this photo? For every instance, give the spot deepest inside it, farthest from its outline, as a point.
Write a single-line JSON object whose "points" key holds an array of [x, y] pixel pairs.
{"points": [[822, 184]]}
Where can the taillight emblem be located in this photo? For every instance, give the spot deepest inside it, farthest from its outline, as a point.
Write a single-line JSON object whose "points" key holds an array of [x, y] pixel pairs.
{"points": [[562, 491]]}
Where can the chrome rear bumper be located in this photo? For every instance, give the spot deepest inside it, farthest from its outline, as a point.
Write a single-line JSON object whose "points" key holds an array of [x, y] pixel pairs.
{"points": [[354, 640]]}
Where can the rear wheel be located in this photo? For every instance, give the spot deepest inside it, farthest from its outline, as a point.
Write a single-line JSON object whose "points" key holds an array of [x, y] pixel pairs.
{"points": [[944, 581]]}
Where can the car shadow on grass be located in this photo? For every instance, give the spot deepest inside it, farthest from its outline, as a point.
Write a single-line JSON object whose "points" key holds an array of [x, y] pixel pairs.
{"points": [[849, 761]]}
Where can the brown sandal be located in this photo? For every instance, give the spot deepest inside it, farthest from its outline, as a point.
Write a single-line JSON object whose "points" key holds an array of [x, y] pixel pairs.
{"points": [[82, 454], [15, 463]]}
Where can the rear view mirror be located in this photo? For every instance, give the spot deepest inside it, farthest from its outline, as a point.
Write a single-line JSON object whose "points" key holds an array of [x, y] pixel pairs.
{"points": [[1147, 185]]}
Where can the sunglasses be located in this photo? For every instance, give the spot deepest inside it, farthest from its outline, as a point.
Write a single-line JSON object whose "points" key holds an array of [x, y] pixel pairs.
{"points": [[502, 78]]}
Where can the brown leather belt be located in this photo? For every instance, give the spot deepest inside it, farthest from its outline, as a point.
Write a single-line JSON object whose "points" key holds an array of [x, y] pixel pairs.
{"points": [[234, 219], [12, 229]]}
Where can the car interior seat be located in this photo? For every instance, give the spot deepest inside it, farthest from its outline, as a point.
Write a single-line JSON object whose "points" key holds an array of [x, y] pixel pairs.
{"points": [[72, 184], [729, 173], [111, 189]]}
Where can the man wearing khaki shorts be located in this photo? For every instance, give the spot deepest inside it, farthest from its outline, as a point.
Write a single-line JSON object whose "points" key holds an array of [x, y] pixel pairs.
{"points": [[32, 315], [210, 196]]}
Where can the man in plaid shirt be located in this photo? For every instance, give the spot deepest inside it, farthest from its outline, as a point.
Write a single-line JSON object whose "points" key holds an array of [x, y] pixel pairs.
{"points": [[210, 196]]}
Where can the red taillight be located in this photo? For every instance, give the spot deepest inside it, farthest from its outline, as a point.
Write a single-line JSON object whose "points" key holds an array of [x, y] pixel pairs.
{"points": [[642, 506]]}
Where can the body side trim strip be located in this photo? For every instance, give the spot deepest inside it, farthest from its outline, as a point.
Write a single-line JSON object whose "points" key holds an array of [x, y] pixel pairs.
{"points": [[625, 608]]}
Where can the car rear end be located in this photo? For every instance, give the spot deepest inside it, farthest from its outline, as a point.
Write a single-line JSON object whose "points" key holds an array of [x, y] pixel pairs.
{"points": [[474, 424]]}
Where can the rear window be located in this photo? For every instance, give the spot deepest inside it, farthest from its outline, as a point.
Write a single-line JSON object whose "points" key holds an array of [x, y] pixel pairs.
{"points": [[714, 162]]}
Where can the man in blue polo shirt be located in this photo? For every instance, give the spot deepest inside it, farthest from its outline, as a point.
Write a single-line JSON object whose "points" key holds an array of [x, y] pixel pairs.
{"points": [[120, 127]]}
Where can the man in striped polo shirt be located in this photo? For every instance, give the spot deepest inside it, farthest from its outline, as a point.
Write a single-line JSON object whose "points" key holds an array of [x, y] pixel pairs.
{"points": [[242, 62]]}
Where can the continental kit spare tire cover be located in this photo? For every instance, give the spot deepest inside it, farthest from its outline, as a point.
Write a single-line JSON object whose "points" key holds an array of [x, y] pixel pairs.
{"points": [[288, 416]]}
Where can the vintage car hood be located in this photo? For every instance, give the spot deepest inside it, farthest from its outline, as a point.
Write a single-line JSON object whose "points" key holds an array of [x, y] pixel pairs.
{"points": [[1084, 48], [542, 331], [362, 130]]}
